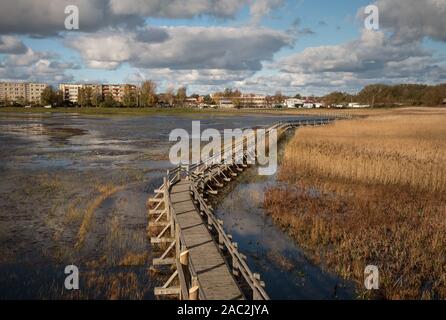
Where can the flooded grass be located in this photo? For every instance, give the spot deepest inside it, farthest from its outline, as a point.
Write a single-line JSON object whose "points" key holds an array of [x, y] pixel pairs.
{"points": [[73, 191], [105, 191]]}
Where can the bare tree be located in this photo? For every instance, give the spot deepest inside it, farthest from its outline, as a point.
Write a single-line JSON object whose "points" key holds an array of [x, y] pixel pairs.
{"points": [[181, 96], [148, 96]]}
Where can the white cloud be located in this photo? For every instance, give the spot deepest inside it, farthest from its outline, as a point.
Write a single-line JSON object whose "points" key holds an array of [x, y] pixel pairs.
{"points": [[374, 57], [185, 48], [261, 8], [413, 19], [35, 66], [10, 44], [46, 17], [372, 51], [176, 8]]}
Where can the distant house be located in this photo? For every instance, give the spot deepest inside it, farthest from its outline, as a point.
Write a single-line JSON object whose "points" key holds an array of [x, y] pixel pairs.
{"points": [[357, 105], [226, 103], [294, 103], [191, 102]]}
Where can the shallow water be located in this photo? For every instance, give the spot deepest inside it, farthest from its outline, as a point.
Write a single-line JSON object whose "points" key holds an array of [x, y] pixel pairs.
{"points": [[51, 163]]}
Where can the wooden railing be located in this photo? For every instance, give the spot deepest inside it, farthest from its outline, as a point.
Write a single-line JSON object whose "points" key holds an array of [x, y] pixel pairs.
{"points": [[201, 175]]}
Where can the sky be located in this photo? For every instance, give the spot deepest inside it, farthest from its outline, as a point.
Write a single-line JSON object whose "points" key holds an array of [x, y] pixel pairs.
{"points": [[262, 46]]}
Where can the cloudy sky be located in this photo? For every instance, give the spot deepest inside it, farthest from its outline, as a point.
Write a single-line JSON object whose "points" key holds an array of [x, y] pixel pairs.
{"points": [[296, 46]]}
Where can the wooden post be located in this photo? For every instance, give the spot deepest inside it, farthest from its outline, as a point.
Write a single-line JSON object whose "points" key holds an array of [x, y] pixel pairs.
{"points": [[184, 258], [235, 267], [177, 242], [193, 293], [220, 242], [194, 289]]}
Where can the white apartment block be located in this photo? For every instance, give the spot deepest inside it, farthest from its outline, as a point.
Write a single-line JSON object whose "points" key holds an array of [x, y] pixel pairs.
{"points": [[25, 91], [70, 92]]}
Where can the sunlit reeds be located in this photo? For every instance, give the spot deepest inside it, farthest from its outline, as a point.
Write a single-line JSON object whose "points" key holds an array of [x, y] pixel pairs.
{"points": [[370, 191]]}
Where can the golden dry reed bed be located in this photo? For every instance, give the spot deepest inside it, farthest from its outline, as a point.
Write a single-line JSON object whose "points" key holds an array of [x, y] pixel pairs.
{"points": [[370, 191], [391, 150]]}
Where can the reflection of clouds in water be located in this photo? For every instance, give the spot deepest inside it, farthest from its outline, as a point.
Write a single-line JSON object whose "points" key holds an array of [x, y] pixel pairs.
{"points": [[271, 252], [244, 214], [27, 131]]}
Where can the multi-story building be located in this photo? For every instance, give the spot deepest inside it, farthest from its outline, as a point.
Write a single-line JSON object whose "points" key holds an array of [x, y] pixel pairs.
{"points": [[118, 91], [70, 92], [21, 91], [253, 101], [34, 91]]}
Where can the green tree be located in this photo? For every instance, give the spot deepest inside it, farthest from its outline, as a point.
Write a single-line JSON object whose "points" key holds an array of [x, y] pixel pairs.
{"points": [[22, 101], [48, 97], [337, 98], [109, 102]]}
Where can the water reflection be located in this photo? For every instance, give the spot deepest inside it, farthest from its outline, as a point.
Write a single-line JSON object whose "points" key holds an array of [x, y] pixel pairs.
{"points": [[273, 254]]}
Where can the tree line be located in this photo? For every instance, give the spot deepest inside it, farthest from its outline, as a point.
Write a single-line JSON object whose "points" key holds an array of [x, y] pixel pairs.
{"points": [[145, 96], [388, 95]]}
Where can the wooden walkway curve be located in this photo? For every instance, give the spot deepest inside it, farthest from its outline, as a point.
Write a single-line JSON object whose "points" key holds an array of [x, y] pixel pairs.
{"points": [[207, 263], [214, 277]]}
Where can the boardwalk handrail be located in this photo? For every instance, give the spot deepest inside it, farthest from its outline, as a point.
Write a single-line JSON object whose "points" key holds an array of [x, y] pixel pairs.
{"points": [[225, 241], [186, 272], [201, 175]]}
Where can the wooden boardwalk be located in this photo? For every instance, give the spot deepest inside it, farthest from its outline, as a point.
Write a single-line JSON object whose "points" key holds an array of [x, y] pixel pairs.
{"points": [[215, 280], [207, 263]]}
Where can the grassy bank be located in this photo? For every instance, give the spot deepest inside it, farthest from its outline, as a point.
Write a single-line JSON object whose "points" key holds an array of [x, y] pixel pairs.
{"points": [[370, 191], [107, 111], [192, 111]]}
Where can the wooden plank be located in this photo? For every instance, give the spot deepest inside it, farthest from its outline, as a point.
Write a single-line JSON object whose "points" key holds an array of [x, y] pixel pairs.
{"points": [[163, 262], [214, 277], [159, 291], [155, 240]]}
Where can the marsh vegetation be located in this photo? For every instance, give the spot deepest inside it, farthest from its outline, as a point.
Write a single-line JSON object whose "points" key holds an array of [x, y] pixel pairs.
{"points": [[370, 191]]}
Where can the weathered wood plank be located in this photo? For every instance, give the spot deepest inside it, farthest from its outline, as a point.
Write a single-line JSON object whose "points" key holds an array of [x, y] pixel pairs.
{"points": [[215, 279]]}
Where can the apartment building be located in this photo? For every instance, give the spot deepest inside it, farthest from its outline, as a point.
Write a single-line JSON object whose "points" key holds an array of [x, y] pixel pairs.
{"points": [[118, 91], [253, 101], [21, 91], [34, 91], [70, 92]]}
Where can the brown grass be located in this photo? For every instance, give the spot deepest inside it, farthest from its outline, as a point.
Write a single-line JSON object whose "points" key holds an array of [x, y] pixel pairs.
{"points": [[134, 259], [407, 151], [105, 191], [370, 191]]}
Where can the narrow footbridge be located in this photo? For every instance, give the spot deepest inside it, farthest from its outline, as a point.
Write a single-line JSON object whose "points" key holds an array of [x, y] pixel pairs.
{"points": [[191, 241]]}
